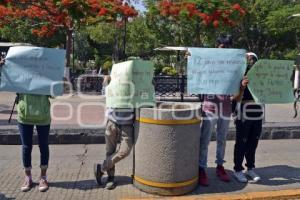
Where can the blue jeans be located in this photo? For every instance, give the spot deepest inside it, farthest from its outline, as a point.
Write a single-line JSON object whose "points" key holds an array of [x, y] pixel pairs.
{"points": [[210, 120], [26, 133]]}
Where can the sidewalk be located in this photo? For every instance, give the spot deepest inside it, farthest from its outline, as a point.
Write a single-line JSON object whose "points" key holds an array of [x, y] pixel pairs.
{"points": [[71, 176], [81, 120]]}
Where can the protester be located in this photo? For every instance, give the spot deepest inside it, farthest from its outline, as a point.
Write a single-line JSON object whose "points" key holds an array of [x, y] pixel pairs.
{"points": [[119, 125], [34, 110], [248, 124], [216, 111]]}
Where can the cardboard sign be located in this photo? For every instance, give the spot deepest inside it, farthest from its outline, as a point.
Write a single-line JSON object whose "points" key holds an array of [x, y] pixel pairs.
{"points": [[269, 81], [215, 71], [33, 70], [131, 85]]}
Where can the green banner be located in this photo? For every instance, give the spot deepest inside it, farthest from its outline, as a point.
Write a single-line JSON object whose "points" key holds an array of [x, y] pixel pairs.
{"points": [[131, 85], [269, 81]]}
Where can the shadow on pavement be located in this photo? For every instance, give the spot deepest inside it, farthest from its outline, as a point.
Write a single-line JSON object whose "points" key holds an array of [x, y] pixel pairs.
{"points": [[2, 197], [8, 112], [5, 122], [278, 175], [217, 186], [89, 184]]}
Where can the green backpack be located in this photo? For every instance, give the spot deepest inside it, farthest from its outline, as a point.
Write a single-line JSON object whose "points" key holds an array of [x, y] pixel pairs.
{"points": [[34, 109]]}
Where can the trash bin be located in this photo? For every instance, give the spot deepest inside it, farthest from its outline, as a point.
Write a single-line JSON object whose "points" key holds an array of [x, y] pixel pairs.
{"points": [[167, 148]]}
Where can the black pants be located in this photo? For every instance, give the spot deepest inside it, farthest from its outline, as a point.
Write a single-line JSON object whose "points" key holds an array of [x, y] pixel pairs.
{"points": [[247, 136]]}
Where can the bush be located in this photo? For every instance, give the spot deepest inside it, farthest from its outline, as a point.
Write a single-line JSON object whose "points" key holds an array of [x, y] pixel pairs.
{"points": [[170, 71], [158, 68], [107, 65]]}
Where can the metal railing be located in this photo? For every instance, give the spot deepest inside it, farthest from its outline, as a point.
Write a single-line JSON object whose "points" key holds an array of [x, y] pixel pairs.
{"points": [[167, 88]]}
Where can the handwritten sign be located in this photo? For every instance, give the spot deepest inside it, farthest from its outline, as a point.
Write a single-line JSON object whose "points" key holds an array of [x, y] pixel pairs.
{"points": [[131, 85], [269, 81], [33, 70], [215, 71]]}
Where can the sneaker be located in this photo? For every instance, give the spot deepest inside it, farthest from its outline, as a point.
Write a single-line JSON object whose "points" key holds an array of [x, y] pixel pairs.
{"points": [[222, 174], [98, 173], [110, 184], [251, 174], [203, 180], [43, 185], [240, 176], [27, 185]]}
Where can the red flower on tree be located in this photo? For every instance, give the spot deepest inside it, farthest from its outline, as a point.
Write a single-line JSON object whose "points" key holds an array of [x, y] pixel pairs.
{"points": [[46, 17], [209, 12]]}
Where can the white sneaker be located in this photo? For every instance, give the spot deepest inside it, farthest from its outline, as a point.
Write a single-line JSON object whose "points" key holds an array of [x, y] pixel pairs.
{"points": [[252, 175], [240, 176]]}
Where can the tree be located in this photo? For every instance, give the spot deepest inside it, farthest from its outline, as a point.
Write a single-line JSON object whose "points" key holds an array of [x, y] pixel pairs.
{"points": [[268, 30], [141, 40], [184, 22], [44, 18]]}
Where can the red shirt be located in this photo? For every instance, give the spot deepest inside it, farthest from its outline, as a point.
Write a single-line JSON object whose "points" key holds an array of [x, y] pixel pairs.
{"points": [[218, 104]]}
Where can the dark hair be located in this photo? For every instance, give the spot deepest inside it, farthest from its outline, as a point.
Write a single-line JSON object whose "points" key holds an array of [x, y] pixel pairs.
{"points": [[254, 59], [225, 40]]}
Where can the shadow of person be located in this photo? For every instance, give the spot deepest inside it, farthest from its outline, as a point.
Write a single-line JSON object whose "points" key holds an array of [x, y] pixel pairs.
{"points": [[218, 186], [4, 122], [278, 175], [90, 184], [2, 197]]}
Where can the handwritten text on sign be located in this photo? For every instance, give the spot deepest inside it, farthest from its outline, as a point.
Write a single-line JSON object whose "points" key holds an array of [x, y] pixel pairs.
{"points": [[215, 71], [269, 81], [131, 85], [33, 70]]}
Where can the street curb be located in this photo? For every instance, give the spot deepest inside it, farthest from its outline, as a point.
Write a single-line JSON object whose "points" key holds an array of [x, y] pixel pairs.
{"points": [[265, 195], [66, 135], [57, 136]]}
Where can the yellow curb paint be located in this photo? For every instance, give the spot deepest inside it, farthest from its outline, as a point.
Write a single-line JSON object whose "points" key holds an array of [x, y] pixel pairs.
{"points": [[168, 122], [165, 185], [265, 195]]}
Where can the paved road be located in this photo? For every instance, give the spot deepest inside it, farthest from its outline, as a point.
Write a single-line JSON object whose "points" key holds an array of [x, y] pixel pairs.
{"points": [[87, 111], [71, 176]]}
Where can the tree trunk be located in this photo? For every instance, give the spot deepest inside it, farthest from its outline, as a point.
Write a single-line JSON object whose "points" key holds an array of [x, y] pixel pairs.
{"points": [[68, 47], [197, 35]]}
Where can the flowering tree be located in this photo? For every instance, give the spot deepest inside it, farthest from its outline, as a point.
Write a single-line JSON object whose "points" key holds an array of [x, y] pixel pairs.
{"points": [[209, 12], [46, 17], [194, 16]]}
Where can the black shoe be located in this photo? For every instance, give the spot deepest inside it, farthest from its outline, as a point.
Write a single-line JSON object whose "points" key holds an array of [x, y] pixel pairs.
{"points": [[110, 184], [98, 173]]}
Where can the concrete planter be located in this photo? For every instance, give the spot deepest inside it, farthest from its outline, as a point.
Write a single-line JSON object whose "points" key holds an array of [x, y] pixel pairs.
{"points": [[167, 148]]}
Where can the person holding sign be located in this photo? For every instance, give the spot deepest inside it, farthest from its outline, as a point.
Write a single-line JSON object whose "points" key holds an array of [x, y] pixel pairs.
{"points": [[216, 112], [33, 110], [130, 88], [248, 124], [119, 125]]}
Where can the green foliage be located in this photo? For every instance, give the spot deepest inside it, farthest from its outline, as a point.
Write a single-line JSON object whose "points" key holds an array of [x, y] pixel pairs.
{"points": [[268, 29], [23, 34], [170, 71], [107, 65], [140, 40], [82, 50], [158, 67]]}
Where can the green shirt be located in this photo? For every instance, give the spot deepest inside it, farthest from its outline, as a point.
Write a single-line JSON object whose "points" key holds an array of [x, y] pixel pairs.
{"points": [[34, 109]]}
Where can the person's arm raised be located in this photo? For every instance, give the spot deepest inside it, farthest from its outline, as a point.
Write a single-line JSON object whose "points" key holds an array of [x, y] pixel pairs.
{"points": [[238, 97], [2, 62]]}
